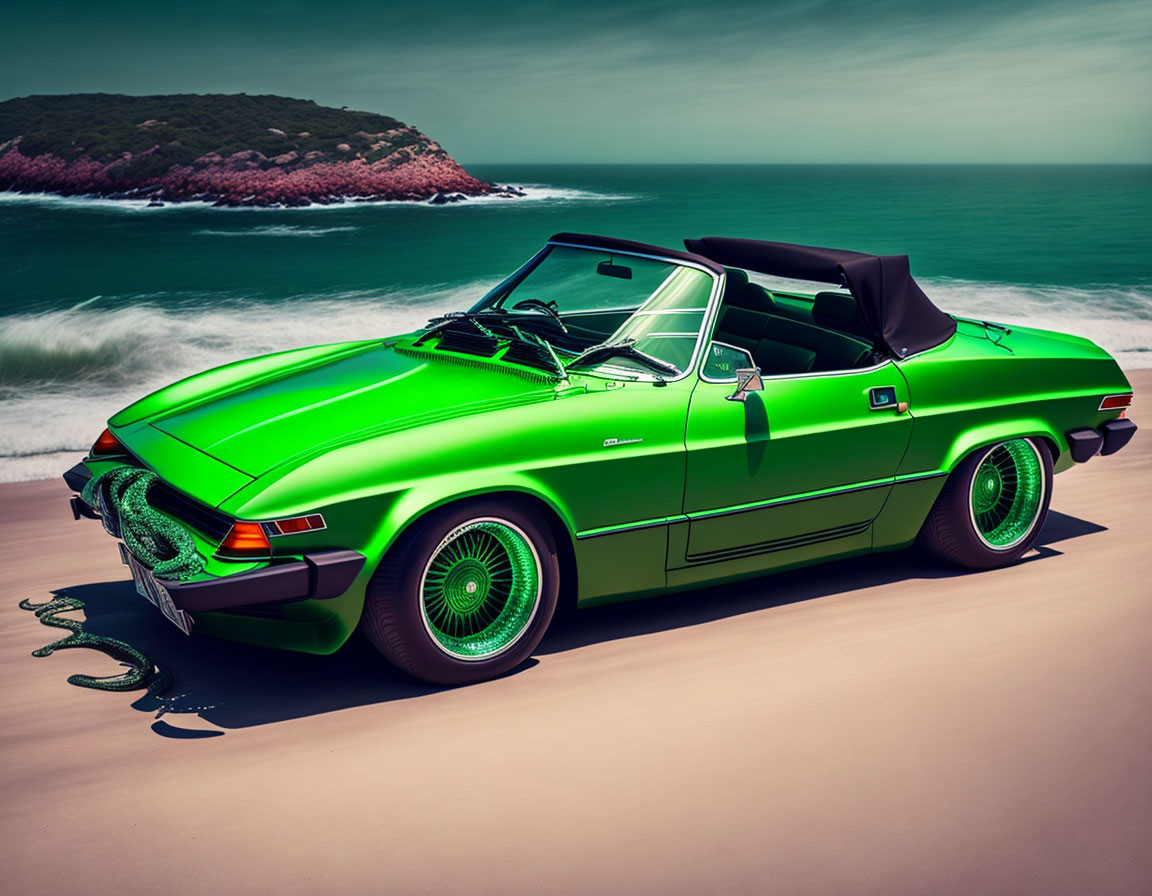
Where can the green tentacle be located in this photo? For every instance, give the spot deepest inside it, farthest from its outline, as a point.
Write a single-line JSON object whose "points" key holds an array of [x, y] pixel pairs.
{"points": [[156, 541], [142, 672]]}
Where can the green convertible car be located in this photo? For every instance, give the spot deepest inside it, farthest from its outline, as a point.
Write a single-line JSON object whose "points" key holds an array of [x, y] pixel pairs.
{"points": [[614, 420]]}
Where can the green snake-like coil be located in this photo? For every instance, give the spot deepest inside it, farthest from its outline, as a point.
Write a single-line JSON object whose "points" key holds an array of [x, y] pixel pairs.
{"points": [[156, 541], [142, 672]]}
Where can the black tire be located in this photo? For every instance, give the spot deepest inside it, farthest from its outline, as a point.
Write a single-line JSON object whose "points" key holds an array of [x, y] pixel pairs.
{"points": [[397, 617], [951, 532]]}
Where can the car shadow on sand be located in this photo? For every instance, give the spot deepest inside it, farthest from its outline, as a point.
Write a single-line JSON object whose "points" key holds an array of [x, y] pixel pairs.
{"points": [[238, 686]]}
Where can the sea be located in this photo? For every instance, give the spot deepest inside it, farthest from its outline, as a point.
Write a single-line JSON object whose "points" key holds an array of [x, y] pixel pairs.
{"points": [[103, 301]]}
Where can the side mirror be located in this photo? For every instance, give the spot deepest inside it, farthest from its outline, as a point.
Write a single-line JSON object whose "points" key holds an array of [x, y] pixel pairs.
{"points": [[747, 380]]}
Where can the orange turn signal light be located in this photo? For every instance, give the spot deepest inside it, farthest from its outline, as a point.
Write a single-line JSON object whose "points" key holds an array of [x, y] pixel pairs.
{"points": [[1115, 402], [106, 443]]}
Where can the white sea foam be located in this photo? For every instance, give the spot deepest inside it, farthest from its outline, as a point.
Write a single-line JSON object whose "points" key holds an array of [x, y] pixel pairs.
{"points": [[93, 202], [546, 193], [277, 230], [534, 194], [63, 373]]}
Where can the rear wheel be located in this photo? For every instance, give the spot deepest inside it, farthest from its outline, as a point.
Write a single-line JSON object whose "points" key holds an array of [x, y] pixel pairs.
{"points": [[466, 593], [992, 507]]}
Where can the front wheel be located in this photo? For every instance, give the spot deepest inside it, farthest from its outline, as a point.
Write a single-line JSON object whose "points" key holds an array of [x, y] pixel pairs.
{"points": [[992, 507], [466, 594]]}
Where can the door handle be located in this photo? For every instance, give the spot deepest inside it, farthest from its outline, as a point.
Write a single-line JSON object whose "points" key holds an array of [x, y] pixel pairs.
{"points": [[883, 398]]}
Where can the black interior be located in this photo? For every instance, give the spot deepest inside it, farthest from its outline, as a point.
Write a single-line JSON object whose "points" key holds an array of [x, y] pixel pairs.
{"points": [[785, 340]]}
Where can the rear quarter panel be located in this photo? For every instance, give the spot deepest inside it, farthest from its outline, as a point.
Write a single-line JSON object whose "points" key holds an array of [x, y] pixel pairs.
{"points": [[984, 386]]}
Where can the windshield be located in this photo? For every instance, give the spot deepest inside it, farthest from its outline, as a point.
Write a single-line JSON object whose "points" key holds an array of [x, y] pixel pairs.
{"points": [[606, 298]]}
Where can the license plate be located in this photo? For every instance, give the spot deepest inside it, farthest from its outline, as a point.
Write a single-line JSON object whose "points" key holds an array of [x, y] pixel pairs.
{"points": [[155, 593]]}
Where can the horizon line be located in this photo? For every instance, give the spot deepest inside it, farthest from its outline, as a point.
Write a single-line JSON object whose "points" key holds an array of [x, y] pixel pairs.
{"points": [[1131, 164]]}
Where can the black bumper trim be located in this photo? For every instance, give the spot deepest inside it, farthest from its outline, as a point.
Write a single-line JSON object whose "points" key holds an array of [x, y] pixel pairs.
{"points": [[1117, 434], [81, 509], [77, 477], [1084, 443], [319, 576]]}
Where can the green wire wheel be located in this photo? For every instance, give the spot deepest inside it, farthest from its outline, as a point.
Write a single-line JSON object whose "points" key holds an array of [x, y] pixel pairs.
{"points": [[466, 593], [480, 589], [992, 507], [1007, 494]]}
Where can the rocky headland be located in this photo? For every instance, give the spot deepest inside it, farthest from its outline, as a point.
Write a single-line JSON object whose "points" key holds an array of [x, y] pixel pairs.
{"points": [[229, 150]]}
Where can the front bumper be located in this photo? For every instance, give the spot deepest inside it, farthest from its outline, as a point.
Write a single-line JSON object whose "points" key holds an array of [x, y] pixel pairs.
{"points": [[322, 575]]}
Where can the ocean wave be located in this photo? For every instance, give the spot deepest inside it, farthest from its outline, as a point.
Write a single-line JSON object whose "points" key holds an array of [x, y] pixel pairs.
{"points": [[277, 230], [89, 345], [40, 466], [1117, 318], [63, 373]]}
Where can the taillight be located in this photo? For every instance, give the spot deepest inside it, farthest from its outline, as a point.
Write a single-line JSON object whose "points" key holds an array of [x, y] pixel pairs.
{"points": [[106, 443], [1115, 402], [250, 540], [245, 540]]}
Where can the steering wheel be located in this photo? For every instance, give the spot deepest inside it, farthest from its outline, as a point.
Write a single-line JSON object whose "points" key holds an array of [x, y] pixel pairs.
{"points": [[549, 308]]}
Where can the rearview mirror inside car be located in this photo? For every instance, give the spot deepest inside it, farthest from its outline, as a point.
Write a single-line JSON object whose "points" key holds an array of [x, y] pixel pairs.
{"points": [[609, 269]]}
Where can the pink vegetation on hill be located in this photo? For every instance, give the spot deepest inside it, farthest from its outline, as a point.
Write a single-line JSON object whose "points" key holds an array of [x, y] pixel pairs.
{"points": [[249, 177]]}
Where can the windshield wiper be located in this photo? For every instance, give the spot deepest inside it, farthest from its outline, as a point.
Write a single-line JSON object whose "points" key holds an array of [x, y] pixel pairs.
{"points": [[625, 349], [445, 321], [543, 350]]}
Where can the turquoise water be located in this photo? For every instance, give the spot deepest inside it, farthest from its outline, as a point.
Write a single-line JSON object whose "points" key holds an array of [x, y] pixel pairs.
{"points": [[101, 302]]}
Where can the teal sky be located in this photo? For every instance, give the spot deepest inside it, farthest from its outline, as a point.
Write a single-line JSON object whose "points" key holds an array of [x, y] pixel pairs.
{"points": [[547, 81]]}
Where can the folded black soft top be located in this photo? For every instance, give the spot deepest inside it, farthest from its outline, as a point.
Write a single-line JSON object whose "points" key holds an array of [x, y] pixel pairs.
{"points": [[902, 318]]}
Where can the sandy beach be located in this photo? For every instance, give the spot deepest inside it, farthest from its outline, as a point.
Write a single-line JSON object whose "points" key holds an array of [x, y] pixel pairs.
{"points": [[875, 726]]}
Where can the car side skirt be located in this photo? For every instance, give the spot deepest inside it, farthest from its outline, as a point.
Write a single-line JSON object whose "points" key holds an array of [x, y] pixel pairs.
{"points": [[649, 557]]}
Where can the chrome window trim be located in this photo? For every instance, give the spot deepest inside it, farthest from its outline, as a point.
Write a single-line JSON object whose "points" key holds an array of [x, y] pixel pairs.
{"points": [[599, 311], [848, 371], [819, 373], [729, 381], [669, 311]]}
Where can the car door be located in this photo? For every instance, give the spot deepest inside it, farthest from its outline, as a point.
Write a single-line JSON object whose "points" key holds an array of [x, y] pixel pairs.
{"points": [[795, 472]]}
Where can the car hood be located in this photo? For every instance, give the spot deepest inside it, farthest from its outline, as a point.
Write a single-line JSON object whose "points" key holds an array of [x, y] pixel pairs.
{"points": [[277, 417]]}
